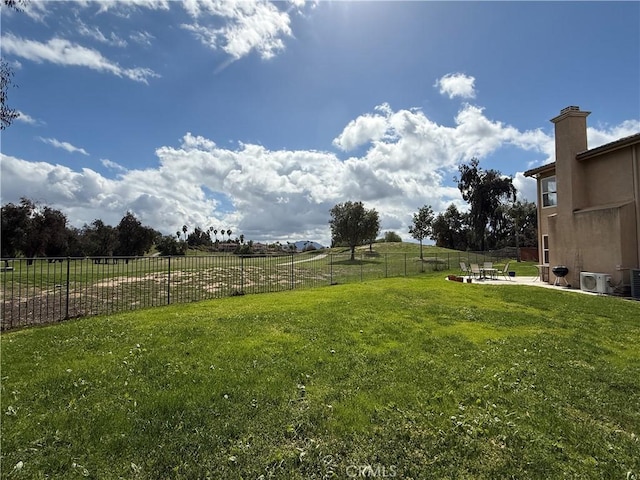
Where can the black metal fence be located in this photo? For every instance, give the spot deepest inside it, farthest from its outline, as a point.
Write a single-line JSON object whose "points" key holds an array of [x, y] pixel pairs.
{"points": [[46, 290]]}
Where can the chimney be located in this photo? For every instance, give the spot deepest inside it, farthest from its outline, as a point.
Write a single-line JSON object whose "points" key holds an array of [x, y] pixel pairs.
{"points": [[571, 139]]}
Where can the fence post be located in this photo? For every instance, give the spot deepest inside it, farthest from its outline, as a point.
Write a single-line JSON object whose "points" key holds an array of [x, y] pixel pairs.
{"points": [[361, 267], [169, 282], [66, 313], [331, 269], [386, 265], [292, 279], [241, 273], [405, 264]]}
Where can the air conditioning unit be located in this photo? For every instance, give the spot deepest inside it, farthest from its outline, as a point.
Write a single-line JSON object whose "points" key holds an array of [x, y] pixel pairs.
{"points": [[595, 282], [635, 284]]}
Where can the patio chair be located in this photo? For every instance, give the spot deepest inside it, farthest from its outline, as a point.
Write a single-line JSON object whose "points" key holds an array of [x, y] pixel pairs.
{"points": [[464, 269], [475, 270], [505, 272], [489, 271]]}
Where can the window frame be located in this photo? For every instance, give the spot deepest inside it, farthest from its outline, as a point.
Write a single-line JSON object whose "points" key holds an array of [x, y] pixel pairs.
{"points": [[545, 249], [549, 198]]}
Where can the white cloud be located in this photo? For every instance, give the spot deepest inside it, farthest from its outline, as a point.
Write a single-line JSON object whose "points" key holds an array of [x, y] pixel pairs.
{"points": [[596, 137], [249, 26], [120, 6], [142, 37], [607, 133], [112, 165], [35, 10], [62, 52], [525, 186], [280, 195], [364, 129], [97, 34], [457, 85], [28, 119], [63, 145]]}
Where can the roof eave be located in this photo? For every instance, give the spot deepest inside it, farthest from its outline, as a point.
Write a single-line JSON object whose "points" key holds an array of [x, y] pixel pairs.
{"points": [[609, 147], [549, 167]]}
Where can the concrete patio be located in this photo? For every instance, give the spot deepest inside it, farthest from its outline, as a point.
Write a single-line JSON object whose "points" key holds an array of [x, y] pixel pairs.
{"points": [[524, 280]]}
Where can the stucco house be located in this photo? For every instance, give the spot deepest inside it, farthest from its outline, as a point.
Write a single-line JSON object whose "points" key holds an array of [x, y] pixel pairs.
{"points": [[589, 204]]}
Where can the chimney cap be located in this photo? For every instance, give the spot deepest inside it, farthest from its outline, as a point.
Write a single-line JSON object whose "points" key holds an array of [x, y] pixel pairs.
{"points": [[571, 108], [571, 111]]}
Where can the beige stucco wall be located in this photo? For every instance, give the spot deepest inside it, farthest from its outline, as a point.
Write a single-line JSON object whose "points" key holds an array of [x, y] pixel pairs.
{"points": [[601, 235], [608, 179], [595, 226], [543, 216]]}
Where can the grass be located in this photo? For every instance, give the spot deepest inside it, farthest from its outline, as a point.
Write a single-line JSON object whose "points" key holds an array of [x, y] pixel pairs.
{"points": [[47, 292], [414, 377]]}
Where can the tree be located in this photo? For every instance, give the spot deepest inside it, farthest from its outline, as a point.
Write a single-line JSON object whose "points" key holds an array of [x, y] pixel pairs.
{"points": [[450, 230], [51, 226], [167, 246], [372, 227], [523, 225], [199, 238], [99, 240], [484, 190], [7, 114], [134, 239], [352, 224], [392, 237], [422, 226], [15, 227], [184, 230]]}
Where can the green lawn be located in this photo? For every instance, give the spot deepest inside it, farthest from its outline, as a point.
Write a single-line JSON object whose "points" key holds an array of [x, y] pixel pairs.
{"points": [[414, 377]]}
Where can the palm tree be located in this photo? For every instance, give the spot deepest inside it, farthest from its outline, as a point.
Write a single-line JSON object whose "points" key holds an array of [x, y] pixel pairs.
{"points": [[229, 234], [215, 233], [178, 234], [184, 230]]}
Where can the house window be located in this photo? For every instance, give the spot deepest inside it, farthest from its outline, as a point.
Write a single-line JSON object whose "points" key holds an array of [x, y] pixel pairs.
{"points": [[549, 195], [545, 249]]}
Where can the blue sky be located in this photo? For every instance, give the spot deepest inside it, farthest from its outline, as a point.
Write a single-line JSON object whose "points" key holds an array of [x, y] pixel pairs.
{"points": [[259, 117]]}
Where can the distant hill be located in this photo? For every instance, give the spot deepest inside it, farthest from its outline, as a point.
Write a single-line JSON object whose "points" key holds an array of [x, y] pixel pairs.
{"points": [[302, 244]]}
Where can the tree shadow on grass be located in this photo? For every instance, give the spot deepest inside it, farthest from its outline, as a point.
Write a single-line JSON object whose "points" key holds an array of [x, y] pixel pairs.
{"points": [[356, 262]]}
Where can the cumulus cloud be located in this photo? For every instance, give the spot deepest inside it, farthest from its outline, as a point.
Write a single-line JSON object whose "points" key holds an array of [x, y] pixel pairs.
{"points": [[364, 129], [63, 52], [63, 145], [271, 195], [526, 187], [248, 26], [457, 85]]}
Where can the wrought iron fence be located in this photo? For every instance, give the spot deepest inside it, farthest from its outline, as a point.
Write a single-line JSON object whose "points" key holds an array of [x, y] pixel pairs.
{"points": [[45, 290]]}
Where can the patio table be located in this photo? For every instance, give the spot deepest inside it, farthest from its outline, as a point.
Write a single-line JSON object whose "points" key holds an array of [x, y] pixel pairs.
{"points": [[489, 272]]}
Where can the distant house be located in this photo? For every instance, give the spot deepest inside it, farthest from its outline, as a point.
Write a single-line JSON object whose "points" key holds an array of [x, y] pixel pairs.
{"points": [[589, 203]]}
